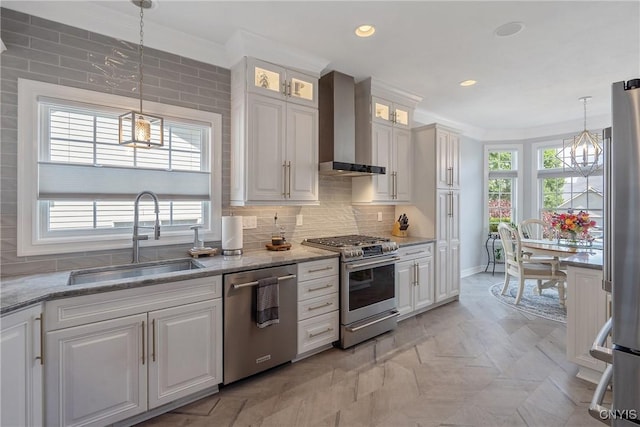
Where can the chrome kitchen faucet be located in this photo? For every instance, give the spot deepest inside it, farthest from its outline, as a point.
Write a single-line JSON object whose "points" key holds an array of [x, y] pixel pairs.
{"points": [[156, 227]]}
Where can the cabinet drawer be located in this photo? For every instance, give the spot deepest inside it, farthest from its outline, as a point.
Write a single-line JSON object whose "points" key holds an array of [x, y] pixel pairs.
{"points": [[67, 312], [317, 331], [317, 287], [315, 306], [418, 251], [315, 269]]}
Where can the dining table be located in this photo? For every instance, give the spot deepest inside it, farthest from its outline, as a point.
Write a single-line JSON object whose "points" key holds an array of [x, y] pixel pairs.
{"points": [[553, 248]]}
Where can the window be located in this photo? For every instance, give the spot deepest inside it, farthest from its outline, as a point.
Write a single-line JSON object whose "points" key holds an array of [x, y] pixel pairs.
{"points": [[561, 189], [502, 185], [79, 184]]}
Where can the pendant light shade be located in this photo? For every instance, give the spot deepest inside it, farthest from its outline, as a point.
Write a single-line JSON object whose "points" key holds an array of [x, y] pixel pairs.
{"points": [[583, 152], [136, 129]]}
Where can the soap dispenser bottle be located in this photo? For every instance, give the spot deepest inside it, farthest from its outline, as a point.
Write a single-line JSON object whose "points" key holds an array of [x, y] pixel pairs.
{"points": [[197, 242], [277, 236]]}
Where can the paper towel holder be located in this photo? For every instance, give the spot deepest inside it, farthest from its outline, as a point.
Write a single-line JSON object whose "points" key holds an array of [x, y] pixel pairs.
{"points": [[231, 251]]}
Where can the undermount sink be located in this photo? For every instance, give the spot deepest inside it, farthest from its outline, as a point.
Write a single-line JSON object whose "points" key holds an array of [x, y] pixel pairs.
{"points": [[103, 274]]}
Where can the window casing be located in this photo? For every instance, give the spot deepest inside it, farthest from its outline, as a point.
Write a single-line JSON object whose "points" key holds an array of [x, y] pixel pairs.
{"points": [[77, 186], [502, 184]]}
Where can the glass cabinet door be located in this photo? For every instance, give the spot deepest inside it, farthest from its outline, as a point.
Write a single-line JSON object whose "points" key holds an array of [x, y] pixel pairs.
{"points": [[265, 78], [401, 116], [381, 110], [302, 89]]}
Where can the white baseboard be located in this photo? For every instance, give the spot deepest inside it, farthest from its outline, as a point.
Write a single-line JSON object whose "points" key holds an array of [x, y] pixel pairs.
{"points": [[471, 271]]}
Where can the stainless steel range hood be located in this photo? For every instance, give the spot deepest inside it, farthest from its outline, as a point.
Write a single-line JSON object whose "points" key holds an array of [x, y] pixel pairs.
{"points": [[337, 130]]}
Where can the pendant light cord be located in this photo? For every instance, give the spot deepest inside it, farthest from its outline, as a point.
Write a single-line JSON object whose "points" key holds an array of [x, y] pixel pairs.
{"points": [[584, 101], [141, 51]]}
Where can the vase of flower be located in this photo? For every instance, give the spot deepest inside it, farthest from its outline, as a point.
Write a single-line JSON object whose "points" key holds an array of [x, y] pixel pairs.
{"points": [[571, 228]]}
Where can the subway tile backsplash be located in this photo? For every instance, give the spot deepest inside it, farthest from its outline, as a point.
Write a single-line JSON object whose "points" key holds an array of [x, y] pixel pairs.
{"points": [[39, 49]]}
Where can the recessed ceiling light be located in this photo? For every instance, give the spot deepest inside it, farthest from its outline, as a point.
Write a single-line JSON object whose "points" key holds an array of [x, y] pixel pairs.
{"points": [[509, 29], [468, 83], [365, 30]]}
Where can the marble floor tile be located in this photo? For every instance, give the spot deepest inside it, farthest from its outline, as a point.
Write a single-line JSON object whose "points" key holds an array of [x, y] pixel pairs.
{"points": [[473, 362]]}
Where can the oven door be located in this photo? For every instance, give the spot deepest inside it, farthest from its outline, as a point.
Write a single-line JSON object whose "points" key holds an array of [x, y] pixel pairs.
{"points": [[367, 288]]}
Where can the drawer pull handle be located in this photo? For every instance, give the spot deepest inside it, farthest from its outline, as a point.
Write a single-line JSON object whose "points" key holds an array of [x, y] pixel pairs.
{"points": [[311, 335], [326, 304], [414, 252], [320, 288], [249, 284], [320, 269]]}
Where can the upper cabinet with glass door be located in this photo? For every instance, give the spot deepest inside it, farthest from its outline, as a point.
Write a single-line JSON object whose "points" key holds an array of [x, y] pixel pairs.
{"points": [[390, 112], [278, 82]]}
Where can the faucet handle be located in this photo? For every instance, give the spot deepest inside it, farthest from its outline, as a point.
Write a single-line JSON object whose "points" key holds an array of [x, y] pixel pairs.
{"points": [[156, 232]]}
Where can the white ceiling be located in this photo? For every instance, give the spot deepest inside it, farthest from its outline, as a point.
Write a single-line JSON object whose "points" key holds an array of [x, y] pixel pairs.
{"points": [[528, 84]]}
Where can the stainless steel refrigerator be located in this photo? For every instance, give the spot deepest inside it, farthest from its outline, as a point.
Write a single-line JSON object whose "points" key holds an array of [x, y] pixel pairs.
{"points": [[622, 260]]}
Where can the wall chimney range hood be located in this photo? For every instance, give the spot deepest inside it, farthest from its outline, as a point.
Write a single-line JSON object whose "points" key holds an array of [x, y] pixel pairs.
{"points": [[337, 129]]}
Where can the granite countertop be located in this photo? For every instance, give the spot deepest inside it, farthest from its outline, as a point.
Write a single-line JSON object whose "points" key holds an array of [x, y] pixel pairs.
{"points": [[410, 241], [23, 291], [586, 259]]}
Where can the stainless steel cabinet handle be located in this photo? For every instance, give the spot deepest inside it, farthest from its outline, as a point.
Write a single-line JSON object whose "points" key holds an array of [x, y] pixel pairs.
{"points": [[395, 185], [394, 313], [288, 89], [143, 343], [153, 338], [596, 410], [284, 88], [284, 179], [320, 288], [311, 335], [41, 320], [289, 184], [248, 284], [317, 307], [320, 269], [451, 204], [598, 349], [366, 264], [414, 253], [450, 170], [417, 274]]}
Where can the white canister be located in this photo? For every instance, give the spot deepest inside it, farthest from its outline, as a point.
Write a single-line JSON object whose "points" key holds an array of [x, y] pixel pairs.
{"points": [[231, 235]]}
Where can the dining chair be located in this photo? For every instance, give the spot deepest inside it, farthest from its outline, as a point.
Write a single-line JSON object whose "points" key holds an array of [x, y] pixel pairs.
{"points": [[532, 228], [523, 268]]}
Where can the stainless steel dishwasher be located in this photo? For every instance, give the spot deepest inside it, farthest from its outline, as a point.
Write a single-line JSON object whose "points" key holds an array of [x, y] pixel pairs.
{"points": [[247, 348]]}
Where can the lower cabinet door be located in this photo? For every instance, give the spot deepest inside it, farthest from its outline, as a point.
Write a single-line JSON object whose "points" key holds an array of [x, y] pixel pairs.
{"points": [[405, 283], [424, 291], [96, 374], [185, 350], [318, 331]]}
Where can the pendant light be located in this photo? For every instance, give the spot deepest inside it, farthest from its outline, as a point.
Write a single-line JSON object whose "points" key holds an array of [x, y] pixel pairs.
{"points": [[582, 153], [136, 129]]}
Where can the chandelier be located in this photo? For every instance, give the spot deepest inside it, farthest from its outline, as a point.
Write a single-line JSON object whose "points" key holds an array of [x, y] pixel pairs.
{"points": [[582, 153], [136, 129]]}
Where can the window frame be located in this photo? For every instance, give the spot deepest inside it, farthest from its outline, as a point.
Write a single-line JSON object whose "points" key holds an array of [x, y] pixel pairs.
{"points": [[519, 184], [537, 174], [29, 241]]}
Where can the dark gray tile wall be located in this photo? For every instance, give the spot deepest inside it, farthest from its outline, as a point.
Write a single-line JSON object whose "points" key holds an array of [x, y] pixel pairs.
{"points": [[43, 50]]}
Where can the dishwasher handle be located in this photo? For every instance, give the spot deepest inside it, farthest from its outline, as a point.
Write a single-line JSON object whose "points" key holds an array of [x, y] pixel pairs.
{"points": [[249, 284]]}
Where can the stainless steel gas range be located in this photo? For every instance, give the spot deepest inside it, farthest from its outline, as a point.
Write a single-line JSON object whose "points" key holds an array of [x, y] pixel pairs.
{"points": [[367, 285]]}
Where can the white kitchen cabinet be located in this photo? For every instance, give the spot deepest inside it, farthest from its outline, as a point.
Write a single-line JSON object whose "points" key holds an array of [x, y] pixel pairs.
{"points": [[391, 113], [447, 244], [185, 350], [383, 139], [279, 82], [318, 305], [414, 279], [448, 159], [587, 311], [274, 140], [96, 373], [118, 354], [435, 211], [21, 371]]}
